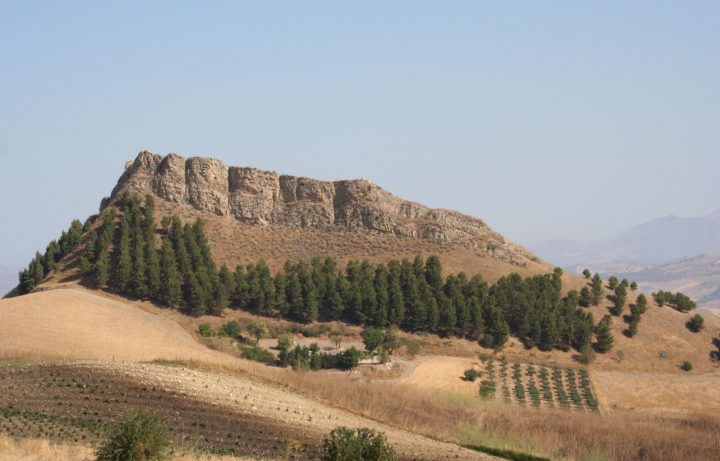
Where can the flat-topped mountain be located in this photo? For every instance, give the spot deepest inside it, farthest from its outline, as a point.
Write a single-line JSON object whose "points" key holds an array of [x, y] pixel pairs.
{"points": [[301, 217]]}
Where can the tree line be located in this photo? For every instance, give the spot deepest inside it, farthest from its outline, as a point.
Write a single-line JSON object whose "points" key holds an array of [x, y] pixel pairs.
{"points": [[411, 294], [43, 264]]}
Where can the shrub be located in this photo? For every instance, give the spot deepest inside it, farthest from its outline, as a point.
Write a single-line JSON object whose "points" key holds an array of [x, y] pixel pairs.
{"points": [[206, 330], [587, 354], [697, 323], [138, 437], [284, 342], [687, 366], [343, 444], [487, 341], [231, 329], [258, 329], [471, 374], [372, 337], [256, 353]]}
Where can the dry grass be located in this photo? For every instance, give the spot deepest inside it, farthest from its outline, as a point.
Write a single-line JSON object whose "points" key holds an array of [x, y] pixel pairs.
{"points": [[461, 418], [41, 450], [45, 450]]}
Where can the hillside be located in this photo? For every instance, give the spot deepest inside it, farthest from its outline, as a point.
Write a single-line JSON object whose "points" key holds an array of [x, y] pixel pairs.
{"points": [[698, 277], [252, 214]]}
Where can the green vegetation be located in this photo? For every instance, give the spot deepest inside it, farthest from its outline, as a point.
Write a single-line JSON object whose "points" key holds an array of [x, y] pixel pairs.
{"points": [[687, 366], [343, 444], [256, 353], [677, 301], [697, 323], [124, 254], [42, 265], [471, 374], [138, 437]]}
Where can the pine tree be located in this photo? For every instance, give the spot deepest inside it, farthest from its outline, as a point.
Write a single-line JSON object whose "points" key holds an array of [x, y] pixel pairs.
{"points": [[633, 328], [448, 317], [496, 325], [619, 300], [597, 289], [101, 270], [154, 281], [697, 323], [280, 284], [84, 265], [612, 282], [433, 273], [227, 280], [605, 338], [196, 296], [587, 274], [124, 267], [396, 301], [382, 296], [550, 335], [367, 289], [139, 283], [585, 297], [633, 286], [171, 279], [641, 303]]}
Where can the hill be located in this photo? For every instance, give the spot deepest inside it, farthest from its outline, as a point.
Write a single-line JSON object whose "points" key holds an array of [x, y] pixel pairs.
{"points": [[657, 241], [252, 214], [698, 277]]}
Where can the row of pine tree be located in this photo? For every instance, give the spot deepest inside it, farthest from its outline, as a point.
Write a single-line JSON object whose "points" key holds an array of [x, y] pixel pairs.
{"points": [[123, 252]]}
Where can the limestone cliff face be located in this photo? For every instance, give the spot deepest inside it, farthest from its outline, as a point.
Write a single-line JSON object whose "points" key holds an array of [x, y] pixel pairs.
{"points": [[264, 198]]}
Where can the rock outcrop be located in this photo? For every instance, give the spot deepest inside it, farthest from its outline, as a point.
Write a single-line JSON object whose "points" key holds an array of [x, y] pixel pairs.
{"points": [[264, 198]]}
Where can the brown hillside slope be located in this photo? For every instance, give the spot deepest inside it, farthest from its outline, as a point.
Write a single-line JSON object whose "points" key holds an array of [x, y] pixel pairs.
{"points": [[253, 214], [74, 324]]}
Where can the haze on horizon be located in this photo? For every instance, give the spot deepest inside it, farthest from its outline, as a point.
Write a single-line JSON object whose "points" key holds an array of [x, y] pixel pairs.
{"points": [[547, 121]]}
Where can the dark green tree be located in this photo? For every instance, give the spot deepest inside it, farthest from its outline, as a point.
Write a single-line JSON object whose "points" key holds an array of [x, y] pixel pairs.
{"points": [[605, 338], [612, 282], [172, 286], [587, 274], [697, 323], [619, 300], [101, 270], [597, 289]]}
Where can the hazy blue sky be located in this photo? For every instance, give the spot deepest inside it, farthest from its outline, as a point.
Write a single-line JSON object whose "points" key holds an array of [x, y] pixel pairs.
{"points": [[545, 119]]}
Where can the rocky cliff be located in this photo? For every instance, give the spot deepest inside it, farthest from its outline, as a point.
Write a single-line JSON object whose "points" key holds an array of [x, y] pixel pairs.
{"points": [[266, 199]]}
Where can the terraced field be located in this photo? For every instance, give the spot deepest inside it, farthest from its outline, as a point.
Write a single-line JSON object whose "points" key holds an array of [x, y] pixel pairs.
{"points": [[215, 412]]}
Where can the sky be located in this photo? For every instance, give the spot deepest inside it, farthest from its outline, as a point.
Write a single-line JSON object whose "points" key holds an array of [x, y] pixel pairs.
{"points": [[548, 120]]}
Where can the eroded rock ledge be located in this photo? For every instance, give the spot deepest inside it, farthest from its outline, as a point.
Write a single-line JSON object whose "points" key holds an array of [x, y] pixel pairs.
{"points": [[265, 198]]}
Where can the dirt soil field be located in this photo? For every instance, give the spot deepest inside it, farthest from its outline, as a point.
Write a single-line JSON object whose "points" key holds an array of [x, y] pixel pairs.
{"points": [[214, 411]]}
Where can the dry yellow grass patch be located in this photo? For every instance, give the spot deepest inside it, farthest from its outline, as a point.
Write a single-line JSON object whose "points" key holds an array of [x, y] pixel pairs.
{"points": [[659, 394], [44, 450], [444, 375], [61, 324], [41, 450]]}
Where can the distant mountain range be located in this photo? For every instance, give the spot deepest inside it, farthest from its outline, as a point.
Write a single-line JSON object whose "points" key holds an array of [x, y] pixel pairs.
{"points": [[670, 253], [655, 242]]}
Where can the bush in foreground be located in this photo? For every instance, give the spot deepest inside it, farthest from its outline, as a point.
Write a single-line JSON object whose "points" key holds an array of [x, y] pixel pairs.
{"points": [[343, 444], [138, 437]]}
